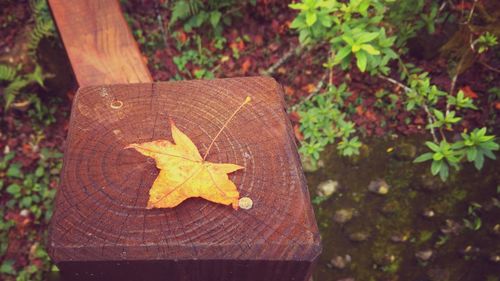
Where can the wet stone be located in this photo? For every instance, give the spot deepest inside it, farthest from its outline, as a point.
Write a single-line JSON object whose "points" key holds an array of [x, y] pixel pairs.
{"points": [[405, 152], [327, 188], [428, 213], [496, 229], [359, 236], [309, 166], [391, 207], [343, 215], [424, 255], [429, 182], [378, 186], [400, 237], [495, 258], [470, 251], [384, 260], [340, 262], [451, 227]]}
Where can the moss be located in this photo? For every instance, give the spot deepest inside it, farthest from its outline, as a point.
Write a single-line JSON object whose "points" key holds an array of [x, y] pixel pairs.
{"points": [[424, 236], [446, 203]]}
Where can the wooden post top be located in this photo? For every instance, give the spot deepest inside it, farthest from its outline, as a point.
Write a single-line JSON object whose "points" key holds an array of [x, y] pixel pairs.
{"points": [[101, 210], [98, 42]]}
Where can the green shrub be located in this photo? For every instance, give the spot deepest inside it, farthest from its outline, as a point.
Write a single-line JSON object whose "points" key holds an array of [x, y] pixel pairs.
{"points": [[323, 122]]}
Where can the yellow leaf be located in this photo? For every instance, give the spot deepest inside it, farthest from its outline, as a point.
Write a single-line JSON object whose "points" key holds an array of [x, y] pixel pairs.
{"points": [[184, 173]]}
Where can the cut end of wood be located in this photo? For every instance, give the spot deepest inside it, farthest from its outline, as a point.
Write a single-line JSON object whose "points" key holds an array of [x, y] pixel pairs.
{"points": [[102, 205]]}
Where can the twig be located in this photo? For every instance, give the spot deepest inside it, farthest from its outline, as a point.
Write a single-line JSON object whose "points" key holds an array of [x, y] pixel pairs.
{"points": [[430, 120], [489, 66], [393, 81], [294, 50], [317, 88], [471, 12]]}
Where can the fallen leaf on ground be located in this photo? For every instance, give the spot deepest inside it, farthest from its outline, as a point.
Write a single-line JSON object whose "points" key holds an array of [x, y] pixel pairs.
{"points": [[469, 93]]}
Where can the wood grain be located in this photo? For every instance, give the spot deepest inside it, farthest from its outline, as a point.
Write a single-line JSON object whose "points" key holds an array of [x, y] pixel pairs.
{"points": [[101, 214], [99, 43]]}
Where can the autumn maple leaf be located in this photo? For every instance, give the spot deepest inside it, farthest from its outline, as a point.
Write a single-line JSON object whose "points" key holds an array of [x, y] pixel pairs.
{"points": [[184, 173]]}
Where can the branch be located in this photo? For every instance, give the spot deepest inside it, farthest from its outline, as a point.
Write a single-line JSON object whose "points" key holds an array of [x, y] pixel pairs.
{"points": [[294, 50], [430, 117]]}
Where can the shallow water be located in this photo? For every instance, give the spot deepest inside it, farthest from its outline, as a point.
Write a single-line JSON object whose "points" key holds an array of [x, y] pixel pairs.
{"points": [[463, 255]]}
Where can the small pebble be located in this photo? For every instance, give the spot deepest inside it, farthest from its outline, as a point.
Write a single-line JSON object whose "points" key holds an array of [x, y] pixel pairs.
{"points": [[245, 203], [451, 227], [496, 229], [340, 262], [400, 237], [343, 215], [428, 213], [24, 212], [379, 186], [359, 236], [495, 258], [424, 255], [327, 188]]}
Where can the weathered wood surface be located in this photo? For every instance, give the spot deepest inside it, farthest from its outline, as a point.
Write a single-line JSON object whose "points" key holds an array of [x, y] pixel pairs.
{"points": [[101, 210], [99, 43]]}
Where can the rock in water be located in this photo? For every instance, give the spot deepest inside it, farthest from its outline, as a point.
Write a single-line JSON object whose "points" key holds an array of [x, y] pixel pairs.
{"points": [[428, 213], [405, 152], [359, 236], [424, 255], [496, 229], [340, 262], [343, 215], [378, 186], [310, 166], [327, 188]]}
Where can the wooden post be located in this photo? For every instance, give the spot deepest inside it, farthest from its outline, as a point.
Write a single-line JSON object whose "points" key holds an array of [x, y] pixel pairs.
{"points": [[101, 229]]}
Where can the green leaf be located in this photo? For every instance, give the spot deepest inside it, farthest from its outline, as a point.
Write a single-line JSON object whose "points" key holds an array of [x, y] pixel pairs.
{"points": [[437, 156], [297, 23], [471, 154], [361, 61], [444, 172], [436, 166], [14, 189], [311, 18], [432, 146], [14, 171], [325, 20], [489, 154], [367, 37], [424, 157], [370, 49], [479, 161], [348, 39], [215, 18], [343, 53], [7, 267]]}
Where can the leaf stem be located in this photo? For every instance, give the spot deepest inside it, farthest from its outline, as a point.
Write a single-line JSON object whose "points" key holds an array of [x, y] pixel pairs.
{"points": [[247, 100]]}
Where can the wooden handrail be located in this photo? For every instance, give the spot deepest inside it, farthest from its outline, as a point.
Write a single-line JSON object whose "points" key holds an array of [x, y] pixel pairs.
{"points": [[99, 43]]}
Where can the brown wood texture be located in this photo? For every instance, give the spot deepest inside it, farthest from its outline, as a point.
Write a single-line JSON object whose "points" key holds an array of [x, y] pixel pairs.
{"points": [[99, 43], [101, 213]]}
